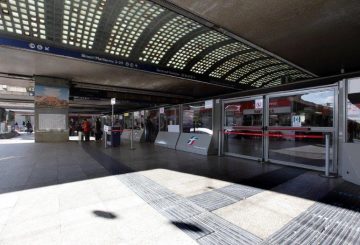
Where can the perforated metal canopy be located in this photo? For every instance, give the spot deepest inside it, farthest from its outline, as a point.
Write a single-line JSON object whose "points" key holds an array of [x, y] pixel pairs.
{"points": [[143, 32]]}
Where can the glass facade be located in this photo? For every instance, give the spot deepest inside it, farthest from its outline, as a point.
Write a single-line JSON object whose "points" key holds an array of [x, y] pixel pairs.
{"points": [[303, 119], [151, 125], [243, 122], [197, 118], [298, 147], [353, 111], [244, 113], [297, 126], [138, 120], [309, 109], [127, 121], [169, 119]]}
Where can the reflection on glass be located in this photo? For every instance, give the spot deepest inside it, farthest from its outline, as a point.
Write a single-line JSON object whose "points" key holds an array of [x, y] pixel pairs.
{"points": [[151, 125], [353, 111], [243, 113], [127, 121], [311, 109], [169, 120], [197, 119], [242, 141], [138, 120], [306, 148]]}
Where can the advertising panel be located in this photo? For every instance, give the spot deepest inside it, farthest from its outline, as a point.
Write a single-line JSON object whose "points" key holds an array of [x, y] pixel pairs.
{"points": [[51, 97]]}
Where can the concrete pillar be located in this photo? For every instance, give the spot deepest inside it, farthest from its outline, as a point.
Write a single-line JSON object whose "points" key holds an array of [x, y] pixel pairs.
{"points": [[51, 109]]}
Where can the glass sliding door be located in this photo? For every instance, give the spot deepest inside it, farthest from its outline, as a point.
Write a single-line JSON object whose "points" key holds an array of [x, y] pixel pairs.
{"points": [[170, 119], [297, 124], [243, 127]]}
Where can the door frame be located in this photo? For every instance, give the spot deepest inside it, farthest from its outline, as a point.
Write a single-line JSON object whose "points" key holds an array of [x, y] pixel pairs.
{"points": [[265, 126], [333, 130], [258, 128]]}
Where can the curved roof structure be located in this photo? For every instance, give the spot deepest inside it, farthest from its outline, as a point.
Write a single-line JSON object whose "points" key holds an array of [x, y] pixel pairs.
{"points": [[142, 34]]}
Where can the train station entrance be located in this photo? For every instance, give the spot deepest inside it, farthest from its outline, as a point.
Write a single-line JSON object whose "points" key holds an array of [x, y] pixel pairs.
{"points": [[294, 128]]}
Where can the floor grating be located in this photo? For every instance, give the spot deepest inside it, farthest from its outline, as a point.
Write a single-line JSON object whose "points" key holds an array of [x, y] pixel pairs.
{"points": [[197, 222], [321, 224], [212, 200], [224, 196]]}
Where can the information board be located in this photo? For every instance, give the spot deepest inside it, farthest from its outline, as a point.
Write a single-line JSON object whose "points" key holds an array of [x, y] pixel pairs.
{"points": [[208, 104], [296, 121], [52, 122], [259, 104]]}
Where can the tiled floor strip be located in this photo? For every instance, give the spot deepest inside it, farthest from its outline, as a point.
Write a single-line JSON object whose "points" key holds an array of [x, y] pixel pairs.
{"points": [[224, 196], [321, 223], [200, 224]]}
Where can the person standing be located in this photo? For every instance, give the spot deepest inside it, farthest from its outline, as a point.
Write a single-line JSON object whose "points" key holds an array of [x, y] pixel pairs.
{"points": [[86, 129], [28, 127], [98, 131]]}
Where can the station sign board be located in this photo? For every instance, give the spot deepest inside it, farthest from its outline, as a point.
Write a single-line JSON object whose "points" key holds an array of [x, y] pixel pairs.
{"points": [[208, 104], [296, 121], [259, 103]]}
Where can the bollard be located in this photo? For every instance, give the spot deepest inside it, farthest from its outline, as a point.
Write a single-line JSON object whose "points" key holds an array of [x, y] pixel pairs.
{"points": [[105, 140]]}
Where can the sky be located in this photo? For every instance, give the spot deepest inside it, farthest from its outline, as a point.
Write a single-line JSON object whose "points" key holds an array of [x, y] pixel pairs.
{"points": [[320, 98]]}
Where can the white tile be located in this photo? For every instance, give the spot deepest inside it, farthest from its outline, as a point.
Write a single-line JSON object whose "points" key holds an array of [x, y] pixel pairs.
{"points": [[4, 215], [77, 194], [93, 233], [8, 200], [75, 217], [29, 227], [109, 188], [122, 204], [264, 213], [41, 238], [182, 183]]}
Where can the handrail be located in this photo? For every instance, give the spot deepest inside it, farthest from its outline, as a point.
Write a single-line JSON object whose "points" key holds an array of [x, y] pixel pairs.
{"points": [[274, 135]]}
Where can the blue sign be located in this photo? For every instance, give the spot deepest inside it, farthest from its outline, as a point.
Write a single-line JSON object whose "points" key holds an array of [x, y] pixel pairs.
{"points": [[45, 48]]}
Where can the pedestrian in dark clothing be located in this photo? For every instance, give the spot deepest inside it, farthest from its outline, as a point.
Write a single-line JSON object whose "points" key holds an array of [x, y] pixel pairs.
{"points": [[98, 132], [148, 129], [29, 127]]}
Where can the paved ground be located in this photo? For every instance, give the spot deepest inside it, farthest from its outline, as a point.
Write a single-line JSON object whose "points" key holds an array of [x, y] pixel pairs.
{"points": [[81, 193]]}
